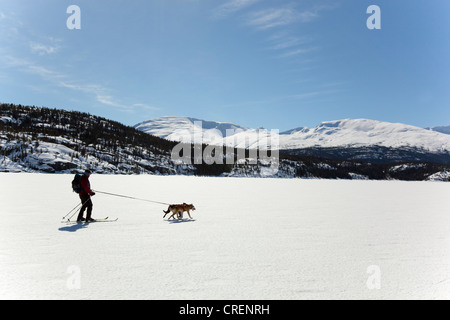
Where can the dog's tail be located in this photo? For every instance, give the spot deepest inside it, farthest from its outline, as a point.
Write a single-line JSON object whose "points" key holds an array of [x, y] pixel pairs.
{"points": [[168, 210]]}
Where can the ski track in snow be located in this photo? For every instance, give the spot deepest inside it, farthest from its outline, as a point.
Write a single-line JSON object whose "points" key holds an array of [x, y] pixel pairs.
{"points": [[251, 239]]}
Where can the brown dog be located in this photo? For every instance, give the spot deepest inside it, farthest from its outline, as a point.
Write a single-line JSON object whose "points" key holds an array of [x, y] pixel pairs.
{"points": [[179, 209]]}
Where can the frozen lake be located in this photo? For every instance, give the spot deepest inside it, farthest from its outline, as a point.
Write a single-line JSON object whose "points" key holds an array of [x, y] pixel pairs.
{"points": [[250, 239]]}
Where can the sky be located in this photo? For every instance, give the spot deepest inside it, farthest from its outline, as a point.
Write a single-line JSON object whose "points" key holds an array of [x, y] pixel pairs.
{"points": [[258, 63]]}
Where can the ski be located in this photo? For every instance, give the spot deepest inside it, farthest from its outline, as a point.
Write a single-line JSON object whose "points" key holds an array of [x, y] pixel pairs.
{"points": [[103, 220], [96, 220]]}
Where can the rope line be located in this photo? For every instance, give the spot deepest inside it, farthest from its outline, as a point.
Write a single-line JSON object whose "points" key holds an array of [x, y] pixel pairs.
{"points": [[133, 198]]}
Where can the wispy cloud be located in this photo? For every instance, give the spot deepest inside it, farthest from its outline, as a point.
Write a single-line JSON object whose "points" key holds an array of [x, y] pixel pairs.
{"points": [[110, 101], [296, 52], [315, 12], [277, 20], [63, 81], [43, 49], [100, 93], [276, 17], [308, 95], [9, 27], [283, 41], [290, 45], [21, 49], [230, 7], [103, 96], [270, 18]]}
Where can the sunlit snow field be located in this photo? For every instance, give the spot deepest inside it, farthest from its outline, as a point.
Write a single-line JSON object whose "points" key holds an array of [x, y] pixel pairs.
{"points": [[250, 239]]}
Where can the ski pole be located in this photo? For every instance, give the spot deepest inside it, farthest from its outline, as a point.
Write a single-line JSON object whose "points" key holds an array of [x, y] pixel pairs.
{"points": [[72, 211], [133, 198], [72, 215]]}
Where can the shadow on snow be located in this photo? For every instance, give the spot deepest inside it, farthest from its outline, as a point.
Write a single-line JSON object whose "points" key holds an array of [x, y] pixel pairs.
{"points": [[74, 227], [180, 221]]}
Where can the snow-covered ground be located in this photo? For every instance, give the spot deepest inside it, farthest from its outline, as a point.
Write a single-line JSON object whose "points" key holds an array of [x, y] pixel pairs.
{"points": [[251, 239]]}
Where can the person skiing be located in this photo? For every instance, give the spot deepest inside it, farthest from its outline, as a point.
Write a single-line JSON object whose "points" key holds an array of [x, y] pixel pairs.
{"points": [[85, 196]]}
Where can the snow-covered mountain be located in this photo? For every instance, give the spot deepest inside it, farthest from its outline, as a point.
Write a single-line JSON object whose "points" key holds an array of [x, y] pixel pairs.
{"points": [[363, 133], [331, 134], [185, 129]]}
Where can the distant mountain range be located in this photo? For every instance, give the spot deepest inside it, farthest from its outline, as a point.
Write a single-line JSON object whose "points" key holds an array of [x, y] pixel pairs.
{"points": [[445, 130], [349, 138], [59, 141], [176, 128]]}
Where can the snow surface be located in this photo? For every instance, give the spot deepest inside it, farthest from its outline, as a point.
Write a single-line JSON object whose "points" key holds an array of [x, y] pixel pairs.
{"points": [[251, 239]]}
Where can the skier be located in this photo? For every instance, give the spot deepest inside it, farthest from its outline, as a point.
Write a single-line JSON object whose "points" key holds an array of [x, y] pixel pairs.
{"points": [[85, 196]]}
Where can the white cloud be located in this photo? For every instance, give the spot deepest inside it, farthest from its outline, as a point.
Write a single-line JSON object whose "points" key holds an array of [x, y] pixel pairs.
{"points": [[276, 17], [277, 21], [286, 43], [230, 7], [271, 18], [42, 49], [11, 61], [43, 72], [102, 94], [314, 12], [284, 40], [296, 52], [62, 81], [109, 101]]}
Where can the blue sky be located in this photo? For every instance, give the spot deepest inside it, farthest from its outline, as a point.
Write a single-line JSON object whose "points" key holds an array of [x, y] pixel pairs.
{"points": [[272, 63]]}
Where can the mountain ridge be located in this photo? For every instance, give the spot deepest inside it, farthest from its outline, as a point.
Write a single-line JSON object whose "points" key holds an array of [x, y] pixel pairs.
{"points": [[328, 134]]}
